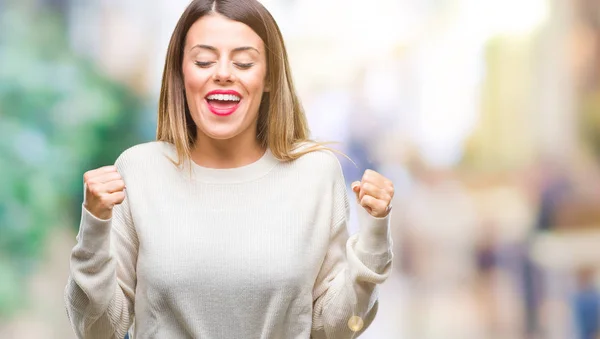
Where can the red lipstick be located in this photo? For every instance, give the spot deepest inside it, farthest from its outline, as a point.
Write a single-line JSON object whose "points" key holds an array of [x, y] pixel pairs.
{"points": [[220, 106]]}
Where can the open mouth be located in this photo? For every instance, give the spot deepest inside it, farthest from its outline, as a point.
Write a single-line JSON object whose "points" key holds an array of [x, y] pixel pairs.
{"points": [[223, 103]]}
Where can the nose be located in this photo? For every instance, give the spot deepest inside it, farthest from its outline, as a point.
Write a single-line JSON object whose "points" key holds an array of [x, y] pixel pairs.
{"points": [[223, 73]]}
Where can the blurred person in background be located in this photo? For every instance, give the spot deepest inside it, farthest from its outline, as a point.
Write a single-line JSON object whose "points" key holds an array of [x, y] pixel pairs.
{"points": [[233, 223], [440, 228], [586, 304], [554, 187]]}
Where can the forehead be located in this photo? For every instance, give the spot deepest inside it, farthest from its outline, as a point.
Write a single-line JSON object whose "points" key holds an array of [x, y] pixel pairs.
{"points": [[219, 31]]}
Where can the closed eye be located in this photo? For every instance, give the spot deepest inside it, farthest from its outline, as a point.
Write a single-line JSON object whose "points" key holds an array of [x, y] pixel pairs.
{"points": [[244, 66], [203, 64]]}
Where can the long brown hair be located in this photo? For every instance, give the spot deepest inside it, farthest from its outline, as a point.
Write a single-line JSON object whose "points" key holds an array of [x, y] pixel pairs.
{"points": [[282, 125]]}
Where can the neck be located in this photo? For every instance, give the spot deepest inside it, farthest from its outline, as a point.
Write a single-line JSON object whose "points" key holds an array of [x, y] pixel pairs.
{"points": [[230, 153]]}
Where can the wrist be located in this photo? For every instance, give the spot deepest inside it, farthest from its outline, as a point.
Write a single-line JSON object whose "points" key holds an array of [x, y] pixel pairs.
{"points": [[102, 214]]}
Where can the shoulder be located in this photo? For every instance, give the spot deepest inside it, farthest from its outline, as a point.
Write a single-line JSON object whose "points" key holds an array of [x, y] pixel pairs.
{"points": [[320, 176], [146, 149], [144, 155], [322, 161]]}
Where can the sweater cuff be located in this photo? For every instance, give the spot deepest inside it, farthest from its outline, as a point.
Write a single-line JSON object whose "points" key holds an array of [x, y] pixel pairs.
{"points": [[373, 267], [94, 233], [374, 234]]}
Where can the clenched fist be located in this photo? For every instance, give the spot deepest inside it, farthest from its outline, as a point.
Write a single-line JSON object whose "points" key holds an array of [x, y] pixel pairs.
{"points": [[103, 190], [374, 193]]}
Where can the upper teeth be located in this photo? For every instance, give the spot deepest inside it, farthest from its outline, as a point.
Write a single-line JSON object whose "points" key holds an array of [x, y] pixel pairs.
{"points": [[224, 97]]}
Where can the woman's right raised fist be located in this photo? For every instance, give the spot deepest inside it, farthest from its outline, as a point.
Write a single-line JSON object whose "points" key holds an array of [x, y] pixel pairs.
{"points": [[104, 188]]}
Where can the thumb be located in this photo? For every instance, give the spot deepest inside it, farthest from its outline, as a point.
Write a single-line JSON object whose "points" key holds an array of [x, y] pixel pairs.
{"points": [[356, 188]]}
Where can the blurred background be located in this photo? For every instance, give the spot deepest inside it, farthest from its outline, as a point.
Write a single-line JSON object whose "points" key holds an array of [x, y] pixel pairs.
{"points": [[484, 113]]}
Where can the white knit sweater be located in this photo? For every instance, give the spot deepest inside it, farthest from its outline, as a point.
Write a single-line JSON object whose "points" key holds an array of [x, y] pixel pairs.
{"points": [[259, 251]]}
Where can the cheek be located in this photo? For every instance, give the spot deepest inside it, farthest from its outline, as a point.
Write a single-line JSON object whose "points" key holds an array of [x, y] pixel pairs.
{"points": [[255, 83], [194, 79]]}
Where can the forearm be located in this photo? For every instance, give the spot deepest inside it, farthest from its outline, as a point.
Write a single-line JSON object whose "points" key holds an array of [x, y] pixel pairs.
{"points": [[97, 304]]}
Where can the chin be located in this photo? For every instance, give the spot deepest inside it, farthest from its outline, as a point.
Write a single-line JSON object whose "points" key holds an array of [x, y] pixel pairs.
{"points": [[223, 133], [221, 128]]}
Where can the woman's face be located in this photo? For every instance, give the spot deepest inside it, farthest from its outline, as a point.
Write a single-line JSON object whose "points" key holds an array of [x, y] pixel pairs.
{"points": [[224, 70]]}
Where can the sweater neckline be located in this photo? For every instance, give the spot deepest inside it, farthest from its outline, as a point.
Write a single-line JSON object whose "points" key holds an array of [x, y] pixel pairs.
{"points": [[252, 171]]}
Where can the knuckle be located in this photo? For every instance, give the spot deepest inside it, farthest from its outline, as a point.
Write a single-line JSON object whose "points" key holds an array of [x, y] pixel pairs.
{"points": [[88, 176], [371, 174], [365, 175]]}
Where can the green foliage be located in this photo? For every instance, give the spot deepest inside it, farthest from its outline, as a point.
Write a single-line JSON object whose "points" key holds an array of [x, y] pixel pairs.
{"points": [[58, 118]]}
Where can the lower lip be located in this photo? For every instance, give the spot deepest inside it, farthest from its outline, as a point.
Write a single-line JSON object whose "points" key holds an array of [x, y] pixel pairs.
{"points": [[222, 112]]}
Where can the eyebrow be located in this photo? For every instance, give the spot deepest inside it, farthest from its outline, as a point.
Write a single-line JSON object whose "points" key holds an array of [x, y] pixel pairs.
{"points": [[237, 49]]}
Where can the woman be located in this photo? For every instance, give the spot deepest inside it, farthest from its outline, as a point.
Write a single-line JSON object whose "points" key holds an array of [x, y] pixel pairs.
{"points": [[233, 223]]}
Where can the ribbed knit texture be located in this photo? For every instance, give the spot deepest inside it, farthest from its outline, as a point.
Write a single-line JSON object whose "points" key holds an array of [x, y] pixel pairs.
{"points": [[259, 251]]}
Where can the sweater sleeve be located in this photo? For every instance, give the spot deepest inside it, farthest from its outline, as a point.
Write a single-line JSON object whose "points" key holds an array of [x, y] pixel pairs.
{"points": [[346, 285], [99, 295]]}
